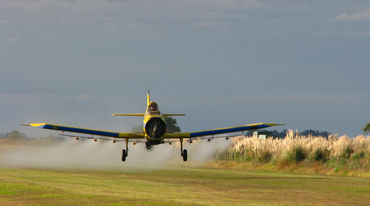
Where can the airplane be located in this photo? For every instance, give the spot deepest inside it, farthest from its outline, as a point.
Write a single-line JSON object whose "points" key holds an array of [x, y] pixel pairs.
{"points": [[154, 130]]}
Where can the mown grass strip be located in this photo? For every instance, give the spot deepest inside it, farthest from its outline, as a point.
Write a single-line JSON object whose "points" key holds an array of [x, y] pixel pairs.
{"points": [[184, 186]]}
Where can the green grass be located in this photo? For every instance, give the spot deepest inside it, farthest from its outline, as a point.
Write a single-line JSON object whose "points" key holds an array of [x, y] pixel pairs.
{"points": [[178, 186]]}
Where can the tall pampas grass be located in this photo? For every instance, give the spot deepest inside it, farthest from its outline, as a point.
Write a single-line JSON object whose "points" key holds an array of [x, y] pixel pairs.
{"points": [[334, 151]]}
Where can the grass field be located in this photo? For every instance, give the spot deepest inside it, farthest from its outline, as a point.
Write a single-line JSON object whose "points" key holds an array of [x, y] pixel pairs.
{"points": [[177, 186]]}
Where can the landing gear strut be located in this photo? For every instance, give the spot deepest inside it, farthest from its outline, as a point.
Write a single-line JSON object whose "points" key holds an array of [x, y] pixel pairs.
{"points": [[125, 151], [184, 152]]}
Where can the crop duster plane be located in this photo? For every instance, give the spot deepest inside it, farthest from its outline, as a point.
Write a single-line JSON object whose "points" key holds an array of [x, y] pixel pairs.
{"points": [[154, 131]]}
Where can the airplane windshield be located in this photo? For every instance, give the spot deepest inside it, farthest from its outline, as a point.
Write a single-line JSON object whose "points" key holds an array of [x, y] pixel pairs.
{"points": [[153, 108]]}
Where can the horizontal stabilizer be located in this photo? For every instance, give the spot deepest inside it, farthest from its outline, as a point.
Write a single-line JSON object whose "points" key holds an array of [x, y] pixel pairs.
{"points": [[173, 115], [133, 114]]}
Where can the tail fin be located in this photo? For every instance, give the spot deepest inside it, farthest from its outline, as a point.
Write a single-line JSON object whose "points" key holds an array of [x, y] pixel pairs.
{"points": [[148, 98]]}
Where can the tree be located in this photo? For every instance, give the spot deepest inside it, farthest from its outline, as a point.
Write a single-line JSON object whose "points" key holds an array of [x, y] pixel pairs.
{"points": [[366, 129], [16, 135], [170, 122], [312, 132], [137, 128]]}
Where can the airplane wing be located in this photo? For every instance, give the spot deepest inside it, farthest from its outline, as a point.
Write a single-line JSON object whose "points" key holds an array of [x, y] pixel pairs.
{"points": [[220, 130], [87, 131]]}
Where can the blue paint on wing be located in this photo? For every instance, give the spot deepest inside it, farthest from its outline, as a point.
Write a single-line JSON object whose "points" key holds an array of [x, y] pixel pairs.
{"points": [[80, 130], [227, 130]]}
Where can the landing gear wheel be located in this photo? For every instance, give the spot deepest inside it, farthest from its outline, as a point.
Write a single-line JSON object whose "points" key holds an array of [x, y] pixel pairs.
{"points": [[124, 155], [148, 146], [184, 155]]}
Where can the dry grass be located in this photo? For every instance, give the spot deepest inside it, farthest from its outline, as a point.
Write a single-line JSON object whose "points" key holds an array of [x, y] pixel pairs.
{"points": [[333, 152]]}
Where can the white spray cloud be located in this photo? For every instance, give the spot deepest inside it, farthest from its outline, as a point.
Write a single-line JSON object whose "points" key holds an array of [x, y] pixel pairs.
{"points": [[105, 155]]}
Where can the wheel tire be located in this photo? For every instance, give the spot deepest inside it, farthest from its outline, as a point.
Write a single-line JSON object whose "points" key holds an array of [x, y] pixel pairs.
{"points": [[124, 155], [148, 146], [185, 155]]}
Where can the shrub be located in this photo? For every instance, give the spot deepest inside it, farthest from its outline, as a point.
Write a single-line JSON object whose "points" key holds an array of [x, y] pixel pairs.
{"points": [[347, 152], [297, 154], [321, 155], [358, 155], [264, 156]]}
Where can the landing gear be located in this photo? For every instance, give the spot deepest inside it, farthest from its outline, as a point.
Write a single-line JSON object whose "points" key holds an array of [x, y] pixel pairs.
{"points": [[148, 146], [184, 152], [124, 155], [184, 155], [125, 151]]}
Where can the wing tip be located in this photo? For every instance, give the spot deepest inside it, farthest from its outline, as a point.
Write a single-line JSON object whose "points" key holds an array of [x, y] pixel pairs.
{"points": [[33, 124], [275, 124]]}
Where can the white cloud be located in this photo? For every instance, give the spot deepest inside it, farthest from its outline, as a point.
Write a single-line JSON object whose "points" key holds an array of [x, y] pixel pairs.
{"points": [[137, 8], [11, 39], [136, 24], [210, 24], [22, 97], [357, 16], [304, 97], [110, 24], [276, 21], [365, 34]]}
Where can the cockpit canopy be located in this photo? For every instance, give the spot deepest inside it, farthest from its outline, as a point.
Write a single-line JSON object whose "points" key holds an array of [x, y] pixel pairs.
{"points": [[153, 107]]}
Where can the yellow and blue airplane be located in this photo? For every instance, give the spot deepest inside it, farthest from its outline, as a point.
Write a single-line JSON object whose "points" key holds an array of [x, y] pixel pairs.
{"points": [[154, 130]]}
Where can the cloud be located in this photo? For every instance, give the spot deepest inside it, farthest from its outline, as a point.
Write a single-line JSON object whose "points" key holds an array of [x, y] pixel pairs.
{"points": [[110, 24], [139, 8], [357, 16], [364, 34], [24, 97], [304, 97], [82, 97], [210, 24], [135, 24], [11, 39]]}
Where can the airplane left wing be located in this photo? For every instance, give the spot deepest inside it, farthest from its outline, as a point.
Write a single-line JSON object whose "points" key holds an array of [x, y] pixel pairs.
{"points": [[221, 130], [86, 131]]}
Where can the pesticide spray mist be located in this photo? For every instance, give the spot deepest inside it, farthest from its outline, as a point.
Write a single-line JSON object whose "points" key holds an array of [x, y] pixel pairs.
{"points": [[104, 155]]}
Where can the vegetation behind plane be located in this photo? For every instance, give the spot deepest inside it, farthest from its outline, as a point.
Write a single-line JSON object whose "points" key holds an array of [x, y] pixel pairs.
{"points": [[333, 153], [366, 129]]}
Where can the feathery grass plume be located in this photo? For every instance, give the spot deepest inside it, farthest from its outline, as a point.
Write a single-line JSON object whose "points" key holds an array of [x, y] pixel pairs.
{"points": [[334, 151]]}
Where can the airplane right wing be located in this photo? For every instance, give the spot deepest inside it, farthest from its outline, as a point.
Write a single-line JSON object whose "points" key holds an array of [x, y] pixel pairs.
{"points": [[220, 130]]}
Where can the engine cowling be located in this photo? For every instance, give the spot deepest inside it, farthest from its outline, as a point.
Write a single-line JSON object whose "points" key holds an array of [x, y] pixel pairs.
{"points": [[155, 128]]}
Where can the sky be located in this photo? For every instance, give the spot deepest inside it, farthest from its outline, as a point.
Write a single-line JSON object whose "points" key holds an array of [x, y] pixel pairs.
{"points": [[222, 62]]}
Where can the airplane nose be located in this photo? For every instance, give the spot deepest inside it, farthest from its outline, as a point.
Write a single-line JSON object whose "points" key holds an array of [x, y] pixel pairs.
{"points": [[155, 128]]}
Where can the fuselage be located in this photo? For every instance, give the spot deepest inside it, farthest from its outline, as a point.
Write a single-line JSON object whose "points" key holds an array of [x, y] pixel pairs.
{"points": [[154, 126]]}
